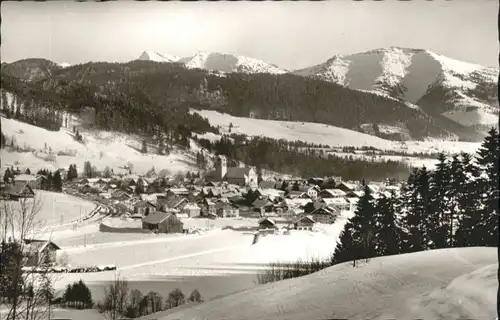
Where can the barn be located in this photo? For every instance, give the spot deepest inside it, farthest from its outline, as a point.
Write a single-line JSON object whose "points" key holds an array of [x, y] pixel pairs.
{"points": [[40, 252], [162, 222]]}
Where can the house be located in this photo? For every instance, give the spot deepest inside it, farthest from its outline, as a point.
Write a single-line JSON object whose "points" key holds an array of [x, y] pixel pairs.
{"points": [[120, 195], [144, 207], [208, 207], [347, 187], [353, 204], [16, 192], [312, 191], [262, 206], [331, 193], [177, 192], [312, 206], [192, 210], [273, 223], [235, 175], [315, 181], [33, 181], [224, 210], [304, 223], [325, 215], [162, 222], [340, 204], [40, 252], [355, 194], [177, 203], [291, 213]]}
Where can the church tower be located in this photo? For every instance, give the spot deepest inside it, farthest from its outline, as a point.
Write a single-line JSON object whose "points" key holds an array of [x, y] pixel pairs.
{"points": [[221, 167]]}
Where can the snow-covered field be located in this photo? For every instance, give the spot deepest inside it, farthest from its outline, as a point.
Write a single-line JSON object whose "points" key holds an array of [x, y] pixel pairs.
{"points": [[440, 284], [217, 262], [101, 148], [325, 134], [52, 209]]}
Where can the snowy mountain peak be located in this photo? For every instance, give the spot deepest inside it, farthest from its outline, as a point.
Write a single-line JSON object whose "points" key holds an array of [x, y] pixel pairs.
{"points": [[462, 91], [154, 56], [215, 61]]}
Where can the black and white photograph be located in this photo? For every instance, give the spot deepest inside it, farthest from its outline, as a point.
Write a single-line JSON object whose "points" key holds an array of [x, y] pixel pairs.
{"points": [[239, 160]]}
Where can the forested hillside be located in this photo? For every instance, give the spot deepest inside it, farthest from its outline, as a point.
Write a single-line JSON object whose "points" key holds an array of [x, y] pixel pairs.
{"points": [[150, 90]]}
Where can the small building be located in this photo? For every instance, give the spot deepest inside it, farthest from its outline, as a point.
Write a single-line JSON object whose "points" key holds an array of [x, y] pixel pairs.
{"points": [[120, 195], [347, 187], [33, 181], [262, 206], [16, 192], [225, 210], [267, 223], [144, 207], [40, 252], [208, 208], [325, 215], [331, 193], [304, 223], [192, 210], [271, 224], [162, 222]]}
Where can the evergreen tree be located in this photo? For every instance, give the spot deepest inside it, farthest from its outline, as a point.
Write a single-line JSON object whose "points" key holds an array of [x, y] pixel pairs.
{"points": [[57, 182], [346, 249], [87, 169], [7, 176], [363, 224], [469, 203], [28, 171], [50, 181], [161, 147], [387, 232], [438, 220], [488, 161], [3, 140], [144, 148], [411, 218]]}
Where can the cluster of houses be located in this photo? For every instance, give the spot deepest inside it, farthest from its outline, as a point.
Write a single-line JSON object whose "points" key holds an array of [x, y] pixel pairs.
{"points": [[227, 192], [234, 192]]}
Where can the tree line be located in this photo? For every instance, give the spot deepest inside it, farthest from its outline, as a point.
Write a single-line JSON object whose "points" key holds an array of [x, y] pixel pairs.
{"points": [[280, 156], [120, 301], [32, 112], [456, 205]]}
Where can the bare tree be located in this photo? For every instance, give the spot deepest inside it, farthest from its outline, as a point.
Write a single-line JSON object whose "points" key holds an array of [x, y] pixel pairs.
{"points": [[25, 279], [116, 299]]}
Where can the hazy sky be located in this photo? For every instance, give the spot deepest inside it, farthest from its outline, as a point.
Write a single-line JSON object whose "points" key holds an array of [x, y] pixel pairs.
{"points": [[289, 34]]}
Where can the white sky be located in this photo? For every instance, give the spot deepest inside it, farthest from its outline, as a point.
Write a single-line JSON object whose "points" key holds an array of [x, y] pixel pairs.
{"points": [[289, 34]]}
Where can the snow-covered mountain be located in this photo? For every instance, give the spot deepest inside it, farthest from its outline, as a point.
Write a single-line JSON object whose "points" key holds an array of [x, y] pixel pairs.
{"points": [[214, 61], [461, 91], [153, 56]]}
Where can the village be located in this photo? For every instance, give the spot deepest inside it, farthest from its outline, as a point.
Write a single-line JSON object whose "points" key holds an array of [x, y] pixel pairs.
{"points": [[160, 205]]}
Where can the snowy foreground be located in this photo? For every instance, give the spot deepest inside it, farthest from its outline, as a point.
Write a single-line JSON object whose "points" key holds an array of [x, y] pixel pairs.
{"points": [[440, 284], [217, 262]]}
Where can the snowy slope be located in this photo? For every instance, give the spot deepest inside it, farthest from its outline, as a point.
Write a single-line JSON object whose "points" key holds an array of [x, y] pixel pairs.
{"points": [[214, 61], [410, 74], [101, 148], [324, 134], [64, 65], [153, 56], [440, 284]]}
